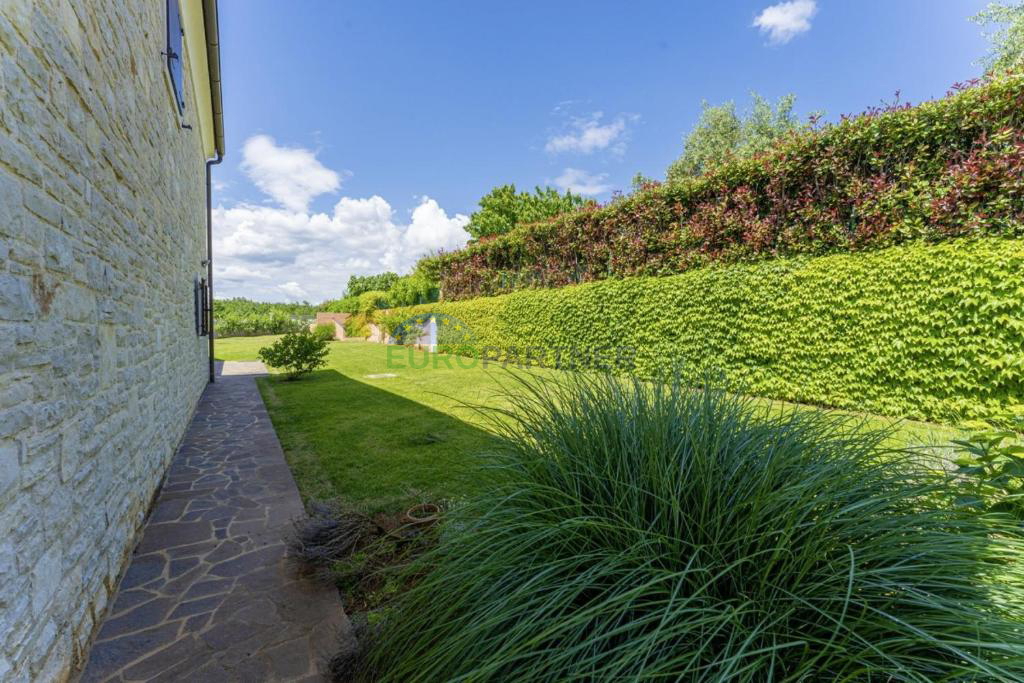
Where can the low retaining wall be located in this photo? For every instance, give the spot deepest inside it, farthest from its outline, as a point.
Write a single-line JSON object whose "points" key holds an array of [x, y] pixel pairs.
{"points": [[376, 335], [323, 318], [339, 318]]}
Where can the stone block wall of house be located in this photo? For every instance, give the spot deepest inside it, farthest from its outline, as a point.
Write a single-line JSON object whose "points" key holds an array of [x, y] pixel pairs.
{"points": [[102, 234]]}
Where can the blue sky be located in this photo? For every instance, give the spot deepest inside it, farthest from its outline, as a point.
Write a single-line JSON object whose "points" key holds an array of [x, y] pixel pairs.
{"points": [[360, 135]]}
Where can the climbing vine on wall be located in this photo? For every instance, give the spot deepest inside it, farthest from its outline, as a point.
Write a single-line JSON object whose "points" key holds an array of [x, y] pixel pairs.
{"points": [[922, 331]]}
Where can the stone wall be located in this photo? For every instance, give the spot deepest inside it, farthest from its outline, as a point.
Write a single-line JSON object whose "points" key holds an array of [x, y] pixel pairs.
{"points": [[102, 232], [339, 318], [322, 318]]}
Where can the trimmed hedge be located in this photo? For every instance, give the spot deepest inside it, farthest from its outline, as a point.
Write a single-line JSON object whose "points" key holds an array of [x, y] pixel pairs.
{"points": [[257, 324], [948, 168], [365, 302], [921, 331], [240, 317]]}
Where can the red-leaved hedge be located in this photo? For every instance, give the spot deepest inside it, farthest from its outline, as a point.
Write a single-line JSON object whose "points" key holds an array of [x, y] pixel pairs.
{"points": [[948, 168]]}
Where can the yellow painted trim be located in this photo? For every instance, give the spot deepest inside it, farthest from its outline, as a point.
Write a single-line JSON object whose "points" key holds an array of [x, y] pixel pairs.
{"points": [[199, 70]]}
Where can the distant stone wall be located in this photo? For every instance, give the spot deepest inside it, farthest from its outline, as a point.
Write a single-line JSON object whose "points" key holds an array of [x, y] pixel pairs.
{"points": [[102, 232], [338, 319], [339, 329]]}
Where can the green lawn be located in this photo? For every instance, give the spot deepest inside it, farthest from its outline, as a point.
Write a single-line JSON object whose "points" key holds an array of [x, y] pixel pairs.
{"points": [[241, 348], [377, 442], [381, 442]]}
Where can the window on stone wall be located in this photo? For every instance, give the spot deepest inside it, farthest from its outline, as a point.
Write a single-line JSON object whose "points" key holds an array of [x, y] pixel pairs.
{"points": [[174, 54]]}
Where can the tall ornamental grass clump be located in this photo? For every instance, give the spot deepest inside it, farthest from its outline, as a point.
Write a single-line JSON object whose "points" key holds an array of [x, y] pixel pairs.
{"points": [[639, 532]]}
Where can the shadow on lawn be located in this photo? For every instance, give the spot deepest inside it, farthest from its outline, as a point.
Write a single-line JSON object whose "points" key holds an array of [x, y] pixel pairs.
{"points": [[370, 448]]}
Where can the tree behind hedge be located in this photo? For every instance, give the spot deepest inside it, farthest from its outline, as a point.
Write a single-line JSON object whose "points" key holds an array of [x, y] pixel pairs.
{"points": [[1007, 51], [722, 135], [503, 209], [360, 284]]}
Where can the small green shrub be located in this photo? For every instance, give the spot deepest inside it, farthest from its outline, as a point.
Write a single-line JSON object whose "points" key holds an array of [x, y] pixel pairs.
{"points": [[324, 331], [923, 331], [640, 533], [297, 353], [357, 325]]}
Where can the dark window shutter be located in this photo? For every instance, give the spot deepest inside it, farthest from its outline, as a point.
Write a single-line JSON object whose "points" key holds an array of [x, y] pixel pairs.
{"points": [[197, 302], [174, 56], [207, 305], [203, 307]]}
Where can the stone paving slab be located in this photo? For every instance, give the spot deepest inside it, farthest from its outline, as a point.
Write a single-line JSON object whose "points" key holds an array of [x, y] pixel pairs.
{"points": [[210, 594]]}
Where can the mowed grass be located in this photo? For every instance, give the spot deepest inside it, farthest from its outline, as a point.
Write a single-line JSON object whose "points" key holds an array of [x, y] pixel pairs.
{"points": [[241, 348], [380, 442], [374, 441]]}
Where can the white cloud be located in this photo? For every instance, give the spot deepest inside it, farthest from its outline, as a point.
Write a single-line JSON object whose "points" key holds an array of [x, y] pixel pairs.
{"points": [[433, 229], [267, 253], [239, 273], [581, 182], [270, 253], [290, 175], [784, 21], [294, 290], [590, 135]]}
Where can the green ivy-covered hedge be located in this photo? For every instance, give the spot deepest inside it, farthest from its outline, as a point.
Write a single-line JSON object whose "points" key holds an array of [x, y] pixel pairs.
{"points": [[922, 331], [944, 169]]}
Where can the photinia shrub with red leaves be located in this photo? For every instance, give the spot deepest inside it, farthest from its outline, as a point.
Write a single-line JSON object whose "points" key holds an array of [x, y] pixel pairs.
{"points": [[944, 169]]}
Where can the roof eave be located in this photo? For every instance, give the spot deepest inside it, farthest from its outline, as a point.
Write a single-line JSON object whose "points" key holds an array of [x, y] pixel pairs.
{"points": [[213, 62]]}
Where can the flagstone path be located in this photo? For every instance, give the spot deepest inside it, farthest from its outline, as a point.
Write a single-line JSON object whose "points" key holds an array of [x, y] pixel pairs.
{"points": [[210, 594]]}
